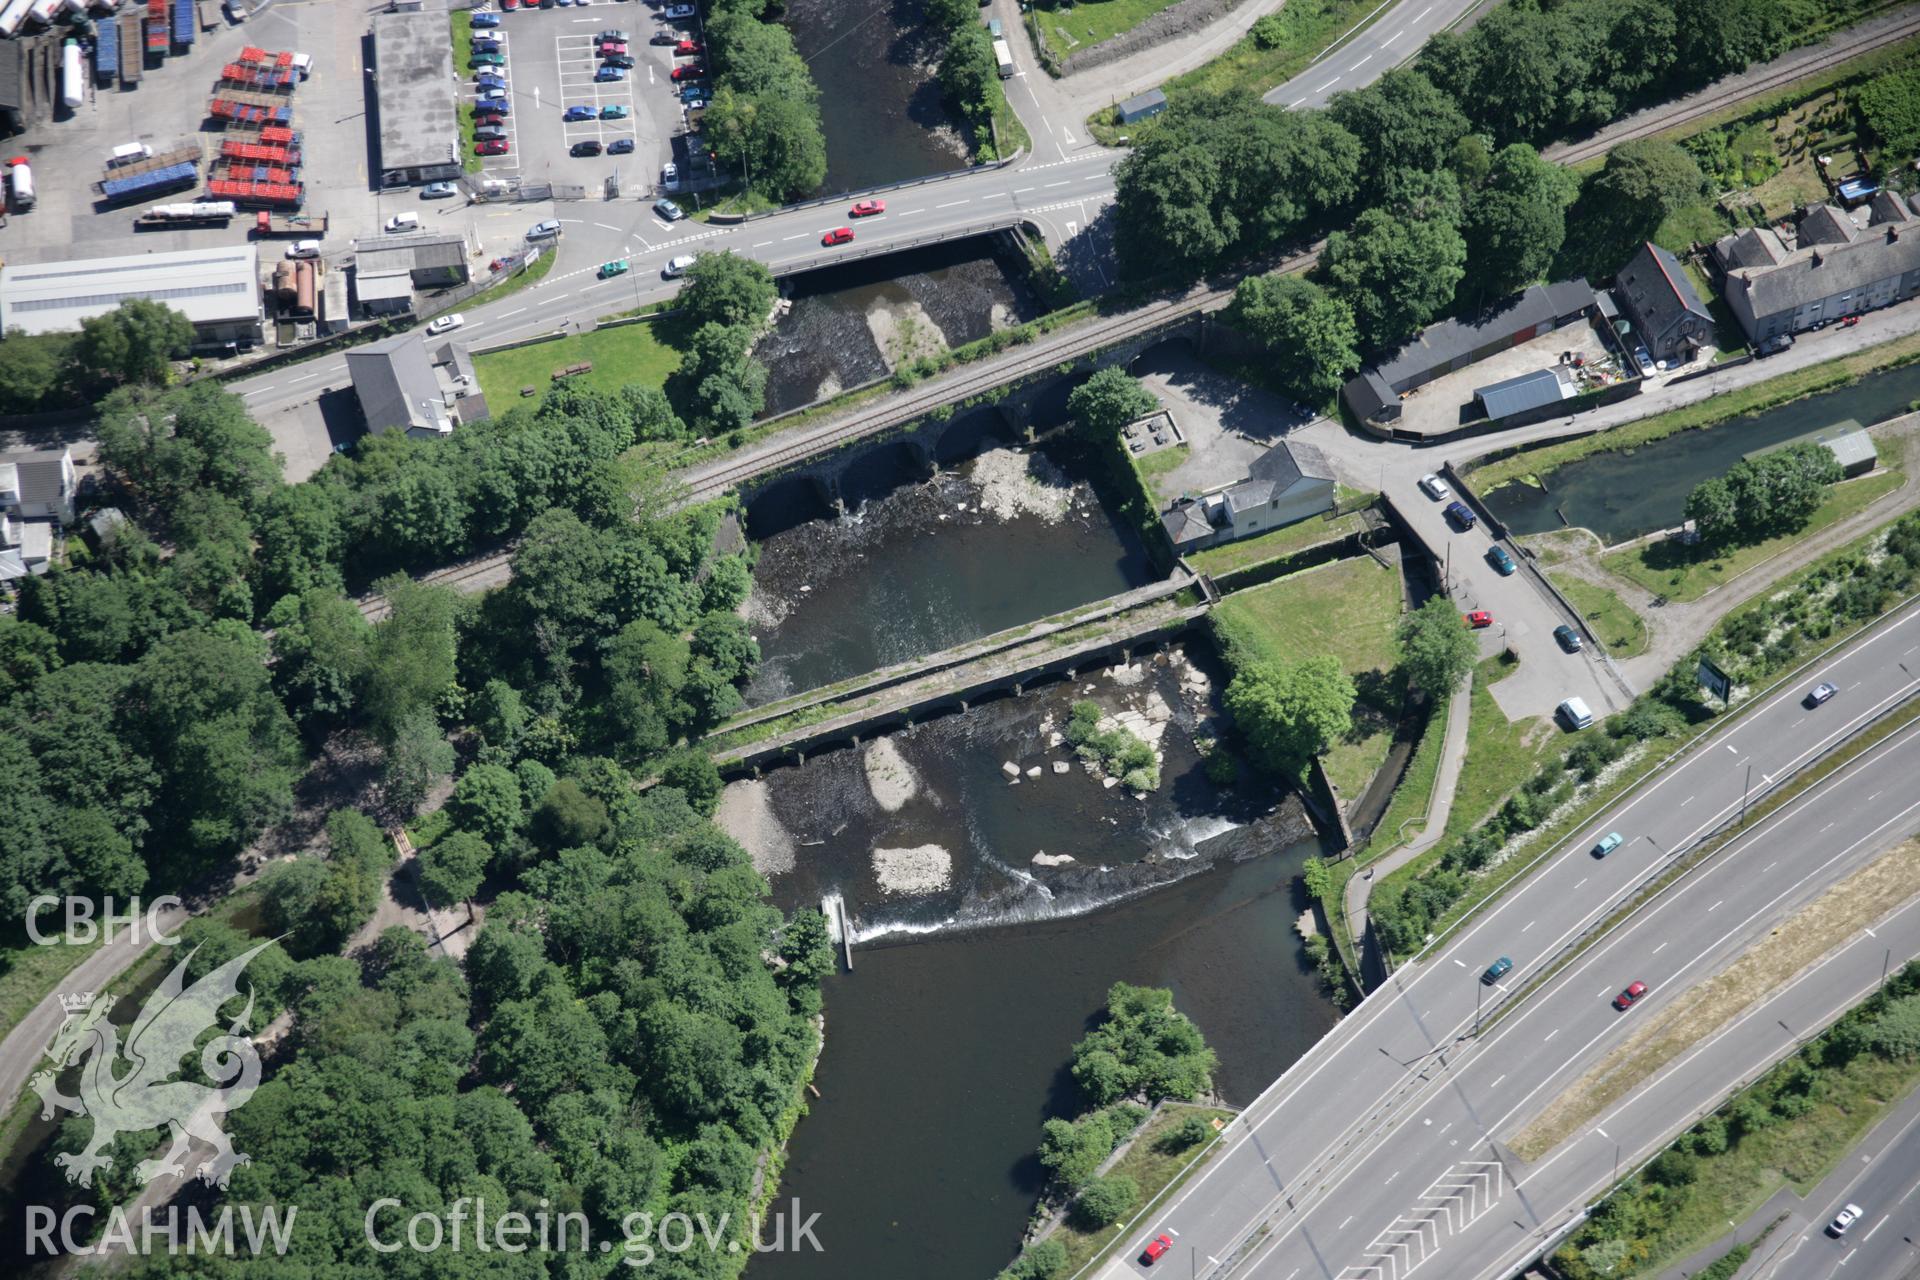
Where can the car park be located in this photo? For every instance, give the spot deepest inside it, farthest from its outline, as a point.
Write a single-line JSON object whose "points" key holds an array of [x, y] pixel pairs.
{"points": [[1434, 487], [1569, 638], [839, 235], [1628, 996], [618, 267], [620, 147], [543, 230], [1497, 970], [304, 249], [668, 211], [618, 111], [1156, 1249], [439, 190], [1461, 515], [1502, 562], [578, 112], [1822, 692], [485, 19], [867, 208], [590, 147], [1844, 1219], [446, 324], [606, 75], [677, 266], [1608, 843], [492, 147]]}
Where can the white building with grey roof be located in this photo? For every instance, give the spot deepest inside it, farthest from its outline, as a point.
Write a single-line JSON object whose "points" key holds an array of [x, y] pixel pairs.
{"points": [[415, 85], [1286, 484], [1836, 266], [218, 288]]}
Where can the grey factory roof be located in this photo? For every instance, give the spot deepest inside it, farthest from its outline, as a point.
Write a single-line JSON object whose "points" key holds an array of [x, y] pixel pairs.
{"points": [[210, 286], [1439, 346], [377, 255], [1527, 391], [414, 78]]}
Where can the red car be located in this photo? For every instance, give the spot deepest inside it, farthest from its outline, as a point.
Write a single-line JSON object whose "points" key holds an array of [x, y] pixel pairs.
{"points": [[491, 147], [508, 6], [692, 71], [686, 48], [1847, 322], [611, 46], [1633, 992], [1477, 619], [489, 118], [839, 235], [867, 208], [1156, 1249]]}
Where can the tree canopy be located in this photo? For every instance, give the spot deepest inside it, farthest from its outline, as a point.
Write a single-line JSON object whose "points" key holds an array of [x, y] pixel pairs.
{"points": [[1108, 401], [1309, 335], [1291, 712], [1436, 648]]}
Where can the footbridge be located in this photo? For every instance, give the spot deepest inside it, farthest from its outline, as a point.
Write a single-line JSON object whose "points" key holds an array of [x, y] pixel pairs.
{"points": [[1007, 662]]}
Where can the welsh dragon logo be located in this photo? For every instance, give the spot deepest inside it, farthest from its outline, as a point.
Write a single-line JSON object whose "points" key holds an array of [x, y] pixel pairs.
{"points": [[145, 1095]]}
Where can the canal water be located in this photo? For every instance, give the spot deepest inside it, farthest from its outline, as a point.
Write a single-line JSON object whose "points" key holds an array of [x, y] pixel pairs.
{"points": [[1627, 493], [976, 967], [876, 62], [1005, 537], [853, 324]]}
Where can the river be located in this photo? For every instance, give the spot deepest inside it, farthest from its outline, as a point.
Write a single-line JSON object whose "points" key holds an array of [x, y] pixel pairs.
{"points": [[1626, 493], [947, 1042]]}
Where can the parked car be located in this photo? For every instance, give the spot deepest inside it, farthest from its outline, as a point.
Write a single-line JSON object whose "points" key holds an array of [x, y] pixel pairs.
{"points": [[675, 12], [304, 249], [686, 49], [1822, 692], [1569, 638], [611, 46], [577, 112], [439, 190], [1479, 619], [487, 44], [677, 266], [487, 58], [1461, 515], [618, 267], [618, 111], [1633, 991], [1847, 322], [693, 94], [1434, 487], [839, 235], [1497, 970], [615, 35], [1502, 562], [588, 148], [606, 74], [1844, 1219], [668, 211], [620, 146], [1608, 843], [665, 37], [489, 132], [621, 60], [508, 6], [1644, 358], [492, 100], [485, 19], [544, 230], [491, 147], [402, 222], [1156, 1249], [1772, 346], [488, 117], [669, 174], [689, 71], [490, 82], [446, 324], [867, 208]]}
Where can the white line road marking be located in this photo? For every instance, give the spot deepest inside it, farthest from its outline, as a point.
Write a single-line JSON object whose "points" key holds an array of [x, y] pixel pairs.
{"points": [[1715, 907], [1497, 1079], [1874, 796], [1343, 1225], [1390, 1178], [1390, 39], [1876, 1227], [1551, 1034], [1423, 13], [1603, 1133], [1686, 802], [303, 377], [908, 213], [1583, 880], [763, 244], [1526, 926], [604, 227], [801, 236], [1020, 191], [1460, 962], [953, 204], [1828, 826], [1729, 747], [1328, 85], [1870, 933], [1770, 866], [1052, 185], [1296, 102], [510, 314], [1657, 950], [1363, 62]]}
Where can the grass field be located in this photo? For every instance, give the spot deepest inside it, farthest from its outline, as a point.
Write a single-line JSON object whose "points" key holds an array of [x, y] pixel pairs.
{"points": [[32, 971], [1406, 812], [1500, 754], [633, 353], [1070, 27], [1348, 608], [1153, 1169], [1620, 629], [1271, 545], [1681, 572], [1706, 413], [1154, 467]]}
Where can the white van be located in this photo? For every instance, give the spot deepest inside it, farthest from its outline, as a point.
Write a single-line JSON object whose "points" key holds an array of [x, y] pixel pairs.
{"points": [[304, 249], [400, 222], [303, 63], [128, 153], [1574, 713], [1434, 487]]}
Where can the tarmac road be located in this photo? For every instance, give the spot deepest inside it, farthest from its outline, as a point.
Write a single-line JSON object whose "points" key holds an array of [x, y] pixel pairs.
{"points": [[1321, 1120]]}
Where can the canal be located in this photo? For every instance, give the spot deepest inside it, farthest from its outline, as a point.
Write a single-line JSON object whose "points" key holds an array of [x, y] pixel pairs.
{"points": [[1623, 494], [991, 915]]}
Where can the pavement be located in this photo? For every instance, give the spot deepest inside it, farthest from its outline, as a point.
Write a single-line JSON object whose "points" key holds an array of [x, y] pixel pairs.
{"points": [[1398, 1094]]}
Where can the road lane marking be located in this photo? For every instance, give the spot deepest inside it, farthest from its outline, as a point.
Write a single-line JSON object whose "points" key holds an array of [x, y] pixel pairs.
{"points": [[1423, 13], [1686, 802], [1390, 39], [1497, 1080], [1363, 62], [1657, 950], [1052, 185], [952, 204], [1603, 1133], [1876, 1227], [1729, 747], [1328, 85], [1343, 1225], [763, 244], [1528, 925], [801, 236], [604, 227], [1296, 102], [1460, 962], [1583, 880], [1020, 191], [1551, 1034], [1715, 907]]}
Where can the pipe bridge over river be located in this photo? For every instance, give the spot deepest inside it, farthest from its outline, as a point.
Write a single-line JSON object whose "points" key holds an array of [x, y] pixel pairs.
{"points": [[786, 732]]}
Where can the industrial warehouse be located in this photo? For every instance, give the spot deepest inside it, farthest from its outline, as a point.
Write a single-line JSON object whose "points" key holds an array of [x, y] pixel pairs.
{"points": [[218, 289]]}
